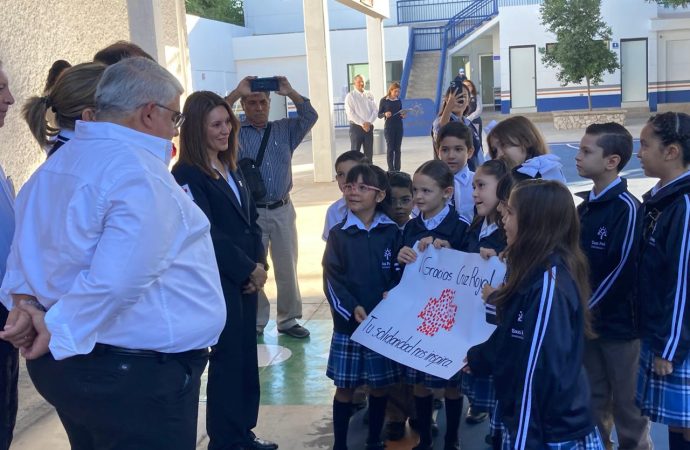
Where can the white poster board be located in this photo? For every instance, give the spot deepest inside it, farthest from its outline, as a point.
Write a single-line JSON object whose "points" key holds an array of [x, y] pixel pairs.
{"points": [[436, 313]]}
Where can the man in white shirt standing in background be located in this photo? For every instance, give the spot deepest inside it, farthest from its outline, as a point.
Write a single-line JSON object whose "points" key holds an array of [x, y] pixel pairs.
{"points": [[122, 261], [361, 111]]}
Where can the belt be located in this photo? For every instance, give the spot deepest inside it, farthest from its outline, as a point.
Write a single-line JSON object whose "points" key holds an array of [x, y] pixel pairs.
{"points": [[274, 205], [111, 349]]}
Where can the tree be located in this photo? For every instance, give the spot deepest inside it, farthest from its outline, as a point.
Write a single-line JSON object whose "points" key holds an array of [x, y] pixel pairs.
{"points": [[223, 10], [581, 51]]}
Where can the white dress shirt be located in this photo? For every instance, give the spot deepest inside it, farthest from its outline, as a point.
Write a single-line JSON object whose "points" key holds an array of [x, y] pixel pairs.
{"points": [[360, 107], [462, 196], [335, 214], [110, 244]]}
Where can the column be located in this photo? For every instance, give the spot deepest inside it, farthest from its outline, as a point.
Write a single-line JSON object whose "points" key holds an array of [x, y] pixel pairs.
{"points": [[320, 91], [377, 61]]}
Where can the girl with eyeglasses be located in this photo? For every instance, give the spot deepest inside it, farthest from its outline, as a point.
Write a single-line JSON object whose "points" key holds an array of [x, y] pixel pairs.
{"points": [[663, 391], [437, 223], [358, 269]]}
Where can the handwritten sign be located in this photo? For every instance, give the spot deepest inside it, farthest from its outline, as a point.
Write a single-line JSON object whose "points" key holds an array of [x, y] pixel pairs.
{"points": [[436, 313]]}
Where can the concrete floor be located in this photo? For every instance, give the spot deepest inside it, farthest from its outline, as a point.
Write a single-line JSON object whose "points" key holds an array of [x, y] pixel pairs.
{"points": [[296, 395]]}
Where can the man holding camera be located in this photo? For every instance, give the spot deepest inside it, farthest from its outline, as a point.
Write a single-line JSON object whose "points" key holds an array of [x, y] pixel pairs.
{"points": [[361, 111], [277, 217]]}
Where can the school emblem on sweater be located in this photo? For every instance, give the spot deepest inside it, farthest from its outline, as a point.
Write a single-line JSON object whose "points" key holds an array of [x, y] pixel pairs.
{"points": [[601, 243], [438, 313], [602, 233], [387, 254]]}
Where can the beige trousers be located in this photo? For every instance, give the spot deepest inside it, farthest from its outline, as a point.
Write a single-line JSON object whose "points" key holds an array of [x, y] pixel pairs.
{"points": [[280, 239]]}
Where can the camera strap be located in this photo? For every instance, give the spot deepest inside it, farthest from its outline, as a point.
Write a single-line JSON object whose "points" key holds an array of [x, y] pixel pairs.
{"points": [[262, 147]]}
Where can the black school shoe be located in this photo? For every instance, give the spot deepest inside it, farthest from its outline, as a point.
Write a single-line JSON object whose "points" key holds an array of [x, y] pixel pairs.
{"points": [[256, 443], [296, 331]]}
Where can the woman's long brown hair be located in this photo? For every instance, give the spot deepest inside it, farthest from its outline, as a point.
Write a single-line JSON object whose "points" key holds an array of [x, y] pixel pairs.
{"points": [[193, 133], [547, 223]]}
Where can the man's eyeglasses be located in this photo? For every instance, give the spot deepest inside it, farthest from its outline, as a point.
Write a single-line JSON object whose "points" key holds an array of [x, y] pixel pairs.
{"points": [[361, 188], [177, 117]]}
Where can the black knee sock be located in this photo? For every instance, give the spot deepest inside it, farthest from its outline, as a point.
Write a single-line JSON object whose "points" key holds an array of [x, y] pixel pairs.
{"points": [[453, 413], [497, 441], [342, 412], [675, 441], [377, 415], [424, 408]]}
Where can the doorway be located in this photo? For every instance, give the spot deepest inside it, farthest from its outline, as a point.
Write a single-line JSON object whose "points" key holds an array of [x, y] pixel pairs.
{"points": [[523, 78], [634, 70], [486, 79]]}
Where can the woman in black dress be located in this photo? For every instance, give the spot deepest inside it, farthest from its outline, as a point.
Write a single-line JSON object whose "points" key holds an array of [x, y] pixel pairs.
{"points": [[389, 108]]}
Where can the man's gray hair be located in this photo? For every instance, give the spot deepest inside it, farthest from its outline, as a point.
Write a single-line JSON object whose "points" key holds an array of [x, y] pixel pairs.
{"points": [[131, 83]]}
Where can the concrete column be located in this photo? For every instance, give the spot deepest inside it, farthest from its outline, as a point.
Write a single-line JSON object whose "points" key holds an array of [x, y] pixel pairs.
{"points": [[377, 60], [145, 28], [317, 42]]}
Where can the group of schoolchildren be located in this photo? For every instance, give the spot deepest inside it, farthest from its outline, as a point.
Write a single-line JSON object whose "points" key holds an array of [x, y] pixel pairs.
{"points": [[591, 320]]}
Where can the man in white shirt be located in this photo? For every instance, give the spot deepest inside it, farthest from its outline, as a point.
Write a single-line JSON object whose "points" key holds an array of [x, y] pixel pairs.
{"points": [[122, 260], [9, 357], [361, 111]]}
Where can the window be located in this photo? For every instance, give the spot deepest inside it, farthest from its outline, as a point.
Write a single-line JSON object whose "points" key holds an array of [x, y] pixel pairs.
{"points": [[394, 71]]}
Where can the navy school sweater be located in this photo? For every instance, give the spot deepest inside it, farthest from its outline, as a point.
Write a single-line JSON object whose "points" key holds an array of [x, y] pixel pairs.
{"points": [[452, 229], [664, 272], [535, 355], [359, 265], [609, 235]]}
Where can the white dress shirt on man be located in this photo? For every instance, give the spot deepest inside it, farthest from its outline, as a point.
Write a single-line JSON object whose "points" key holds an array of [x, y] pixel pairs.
{"points": [[112, 246], [360, 107]]}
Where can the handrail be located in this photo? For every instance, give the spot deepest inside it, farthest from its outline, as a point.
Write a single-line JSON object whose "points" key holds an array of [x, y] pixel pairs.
{"points": [[459, 26], [415, 11], [407, 68]]}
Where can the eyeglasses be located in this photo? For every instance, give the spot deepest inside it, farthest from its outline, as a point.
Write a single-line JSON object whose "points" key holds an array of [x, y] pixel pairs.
{"points": [[361, 188], [403, 201], [177, 117]]}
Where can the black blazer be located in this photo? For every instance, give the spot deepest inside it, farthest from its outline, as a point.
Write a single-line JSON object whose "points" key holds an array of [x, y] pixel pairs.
{"points": [[236, 235]]}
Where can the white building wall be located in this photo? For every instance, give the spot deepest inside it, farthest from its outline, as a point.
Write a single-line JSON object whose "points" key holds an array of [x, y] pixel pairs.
{"points": [[212, 54], [520, 25], [286, 16]]}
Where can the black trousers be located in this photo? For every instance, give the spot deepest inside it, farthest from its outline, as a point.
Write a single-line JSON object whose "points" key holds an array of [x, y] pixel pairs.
{"points": [[393, 135], [9, 374], [233, 390], [111, 401], [359, 138]]}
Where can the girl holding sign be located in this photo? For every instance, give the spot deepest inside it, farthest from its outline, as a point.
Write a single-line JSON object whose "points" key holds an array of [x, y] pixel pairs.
{"points": [[432, 187], [535, 354], [486, 237], [358, 268]]}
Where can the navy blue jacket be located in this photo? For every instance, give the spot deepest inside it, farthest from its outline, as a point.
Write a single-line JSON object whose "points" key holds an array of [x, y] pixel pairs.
{"points": [[609, 235], [472, 243], [452, 229], [358, 267], [535, 355], [664, 272]]}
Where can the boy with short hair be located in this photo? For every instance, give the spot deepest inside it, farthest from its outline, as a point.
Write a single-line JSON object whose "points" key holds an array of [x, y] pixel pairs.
{"points": [[399, 202], [338, 210], [609, 224]]}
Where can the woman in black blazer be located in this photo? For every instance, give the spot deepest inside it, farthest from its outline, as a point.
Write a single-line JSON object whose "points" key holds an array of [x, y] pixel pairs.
{"points": [[207, 171]]}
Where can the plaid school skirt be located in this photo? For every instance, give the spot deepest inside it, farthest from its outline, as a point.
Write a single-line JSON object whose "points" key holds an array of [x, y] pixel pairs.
{"points": [[590, 442], [414, 376], [350, 365], [496, 426], [479, 391], [664, 399]]}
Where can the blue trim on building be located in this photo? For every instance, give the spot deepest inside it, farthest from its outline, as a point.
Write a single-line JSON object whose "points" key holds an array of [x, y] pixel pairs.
{"points": [[578, 102], [674, 96]]}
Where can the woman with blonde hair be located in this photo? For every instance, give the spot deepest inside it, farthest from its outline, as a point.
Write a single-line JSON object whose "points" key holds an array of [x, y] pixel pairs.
{"points": [[390, 108], [53, 116]]}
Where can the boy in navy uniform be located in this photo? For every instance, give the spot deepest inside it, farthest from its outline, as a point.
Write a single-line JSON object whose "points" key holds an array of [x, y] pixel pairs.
{"points": [[609, 224]]}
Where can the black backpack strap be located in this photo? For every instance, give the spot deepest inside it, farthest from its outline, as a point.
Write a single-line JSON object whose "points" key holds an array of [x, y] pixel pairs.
{"points": [[264, 143]]}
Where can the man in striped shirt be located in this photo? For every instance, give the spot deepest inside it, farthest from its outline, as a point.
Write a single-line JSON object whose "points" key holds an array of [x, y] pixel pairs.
{"points": [[277, 217]]}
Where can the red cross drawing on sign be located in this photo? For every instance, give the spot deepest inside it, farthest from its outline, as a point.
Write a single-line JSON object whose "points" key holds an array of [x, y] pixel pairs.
{"points": [[438, 313]]}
